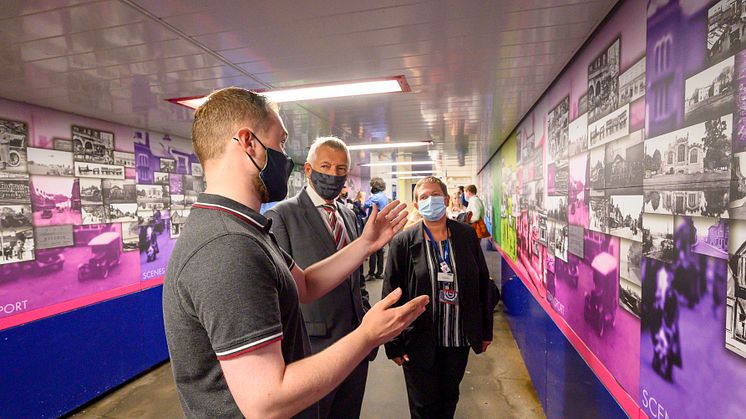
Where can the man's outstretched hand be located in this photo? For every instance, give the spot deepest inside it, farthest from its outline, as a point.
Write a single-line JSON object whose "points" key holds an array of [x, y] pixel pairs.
{"points": [[383, 225], [382, 323]]}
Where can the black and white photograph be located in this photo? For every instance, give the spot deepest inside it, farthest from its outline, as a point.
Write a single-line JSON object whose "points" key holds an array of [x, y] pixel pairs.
{"points": [[152, 197], [561, 238], [125, 159], [13, 145], [178, 201], [632, 83], [558, 178], [119, 191], [17, 245], [711, 235], [543, 228], [603, 83], [15, 191], [121, 213], [583, 104], [558, 135], [15, 216], [630, 276], [598, 168], [735, 319], [93, 214], [698, 156], [55, 200], [576, 241], [92, 145], [130, 237], [557, 208], [52, 237], [578, 134], [725, 29], [598, 210], [91, 192], [657, 237], [43, 161], [625, 216], [96, 170], [737, 205], [168, 165], [710, 93], [197, 170], [630, 259], [178, 218], [705, 202], [609, 128], [624, 163], [162, 178], [63, 144]]}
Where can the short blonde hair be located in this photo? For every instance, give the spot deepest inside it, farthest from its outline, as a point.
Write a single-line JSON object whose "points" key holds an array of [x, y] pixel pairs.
{"points": [[429, 179], [222, 114]]}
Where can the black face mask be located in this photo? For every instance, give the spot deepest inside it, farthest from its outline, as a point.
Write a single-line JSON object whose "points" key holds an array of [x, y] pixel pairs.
{"points": [[327, 186], [275, 173]]}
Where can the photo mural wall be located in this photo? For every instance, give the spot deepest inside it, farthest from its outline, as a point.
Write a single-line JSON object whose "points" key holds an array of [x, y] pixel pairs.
{"points": [[621, 201], [88, 209]]}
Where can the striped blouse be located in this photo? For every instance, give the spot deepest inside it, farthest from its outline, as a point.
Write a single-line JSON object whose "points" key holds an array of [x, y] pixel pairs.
{"points": [[447, 316]]}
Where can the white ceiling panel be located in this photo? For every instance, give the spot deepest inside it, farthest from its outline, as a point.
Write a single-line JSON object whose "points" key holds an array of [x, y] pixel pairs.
{"points": [[475, 66]]}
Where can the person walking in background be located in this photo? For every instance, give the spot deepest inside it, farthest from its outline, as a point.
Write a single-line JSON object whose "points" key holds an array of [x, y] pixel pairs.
{"points": [[454, 207], [310, 227], [440, 258], [475, 205], [462, 196], [357, 206], [378, 198], [344, 197]]}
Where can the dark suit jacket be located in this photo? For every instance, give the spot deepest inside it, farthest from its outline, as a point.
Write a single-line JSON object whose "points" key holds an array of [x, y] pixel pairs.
{"points": [[406, 267], [302, 232]]}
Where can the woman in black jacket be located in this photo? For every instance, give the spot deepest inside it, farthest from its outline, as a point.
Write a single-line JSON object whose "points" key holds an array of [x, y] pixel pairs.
{"points": [[440, 258]]}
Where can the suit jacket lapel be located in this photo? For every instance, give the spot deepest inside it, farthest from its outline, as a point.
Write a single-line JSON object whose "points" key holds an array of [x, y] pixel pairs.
{"points": [[316, 222], [349, 224], [423, 282], [457, 240]]}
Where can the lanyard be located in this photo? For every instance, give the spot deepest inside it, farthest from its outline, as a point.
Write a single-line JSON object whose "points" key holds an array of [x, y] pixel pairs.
{"points": [[445, 260]]}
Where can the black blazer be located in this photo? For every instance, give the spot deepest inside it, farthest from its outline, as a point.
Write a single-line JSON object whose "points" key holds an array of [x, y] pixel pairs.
{"points": [[300, 231], [406, 267]]}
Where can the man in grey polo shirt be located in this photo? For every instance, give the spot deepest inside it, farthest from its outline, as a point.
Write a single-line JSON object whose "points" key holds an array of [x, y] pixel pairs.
{"points": [[231, 296]]}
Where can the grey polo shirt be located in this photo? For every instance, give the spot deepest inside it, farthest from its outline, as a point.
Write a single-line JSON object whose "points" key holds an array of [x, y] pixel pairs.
{"points": [[228, 291]]}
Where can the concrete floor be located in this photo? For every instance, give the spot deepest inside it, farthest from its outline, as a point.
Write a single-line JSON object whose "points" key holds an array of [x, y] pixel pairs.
{"points": [[496, 384]]}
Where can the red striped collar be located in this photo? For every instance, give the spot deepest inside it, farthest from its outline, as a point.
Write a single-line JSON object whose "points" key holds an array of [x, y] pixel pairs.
{"points": [[227, 205]]}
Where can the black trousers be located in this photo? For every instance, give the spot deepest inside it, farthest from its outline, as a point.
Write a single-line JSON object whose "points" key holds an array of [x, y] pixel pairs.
{"points": [[375, 263], [346, 400], [433, 392]]}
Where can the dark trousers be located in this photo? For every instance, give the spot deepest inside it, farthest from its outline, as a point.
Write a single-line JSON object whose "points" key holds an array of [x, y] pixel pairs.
{"points": [[375, 264], [346, 400], [433, 392]]}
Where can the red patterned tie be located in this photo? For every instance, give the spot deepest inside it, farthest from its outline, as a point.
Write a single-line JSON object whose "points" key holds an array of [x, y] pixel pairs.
{"points": [[340, 238]]}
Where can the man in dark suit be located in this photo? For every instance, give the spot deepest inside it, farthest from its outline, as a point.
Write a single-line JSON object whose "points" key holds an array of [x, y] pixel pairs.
{"points": [[312, 226]]}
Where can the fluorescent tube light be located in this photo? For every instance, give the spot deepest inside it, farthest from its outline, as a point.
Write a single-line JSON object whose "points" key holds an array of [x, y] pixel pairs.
{"points": [[411, 177], [379, 146], [411, 172], [320, 91], [399, 163]]}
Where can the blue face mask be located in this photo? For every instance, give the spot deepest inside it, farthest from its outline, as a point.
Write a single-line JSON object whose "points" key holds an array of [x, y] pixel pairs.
{"points": [[433, 208], [275, 173]]}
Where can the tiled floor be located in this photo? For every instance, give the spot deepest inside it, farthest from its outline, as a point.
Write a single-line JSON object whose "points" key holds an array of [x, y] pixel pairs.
{"points": [[496, 385]]}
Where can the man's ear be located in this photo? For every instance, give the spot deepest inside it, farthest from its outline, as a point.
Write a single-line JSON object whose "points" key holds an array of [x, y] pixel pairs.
{"points": [[307, 169]]}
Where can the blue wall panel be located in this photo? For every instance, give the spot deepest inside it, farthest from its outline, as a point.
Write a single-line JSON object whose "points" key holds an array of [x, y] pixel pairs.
{"points": [[566, 386], [54, 365]]}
